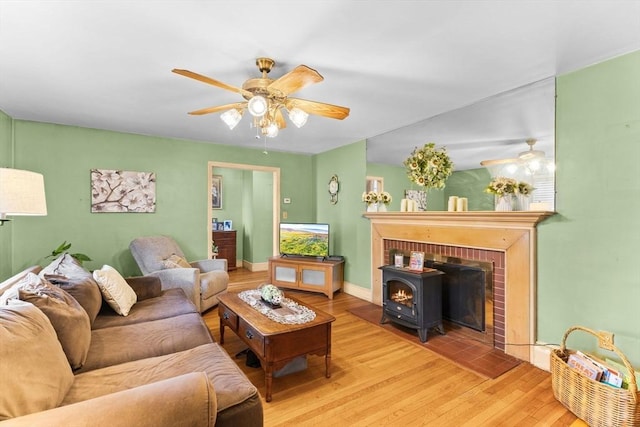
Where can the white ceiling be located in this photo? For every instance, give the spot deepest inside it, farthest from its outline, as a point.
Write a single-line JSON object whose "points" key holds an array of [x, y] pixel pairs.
{"points": [[107, 65]]}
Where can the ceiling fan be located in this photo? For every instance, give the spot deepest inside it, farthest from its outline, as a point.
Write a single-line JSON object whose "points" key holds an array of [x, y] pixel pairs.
{"points": [[267, 98], [532, 160]]}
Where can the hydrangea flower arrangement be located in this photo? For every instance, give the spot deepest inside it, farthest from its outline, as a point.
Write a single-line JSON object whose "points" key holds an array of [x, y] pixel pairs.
{"points": [[271, 294]]}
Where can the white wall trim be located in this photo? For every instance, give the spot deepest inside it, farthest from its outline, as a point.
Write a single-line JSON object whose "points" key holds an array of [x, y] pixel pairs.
{"points": [[254, 266], [357, 291], [541, 355]]}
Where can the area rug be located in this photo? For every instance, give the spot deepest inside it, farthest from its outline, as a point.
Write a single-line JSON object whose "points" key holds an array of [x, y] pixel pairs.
{"points": [[470, 354]]}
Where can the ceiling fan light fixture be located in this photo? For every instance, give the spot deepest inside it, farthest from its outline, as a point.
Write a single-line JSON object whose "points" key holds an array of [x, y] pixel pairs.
{"points": [[231, 117], [258, 106], [298, 117], [272, 130]]}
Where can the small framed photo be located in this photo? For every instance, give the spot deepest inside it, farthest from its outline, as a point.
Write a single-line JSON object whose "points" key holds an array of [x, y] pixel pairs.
{"points": [[228, 225], [416, 262], [220, 226], [216, 192]]}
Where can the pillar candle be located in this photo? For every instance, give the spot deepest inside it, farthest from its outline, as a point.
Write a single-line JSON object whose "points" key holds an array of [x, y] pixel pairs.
{"points": [[453, 204], [539, 206], [403, 205], [461, 204]]}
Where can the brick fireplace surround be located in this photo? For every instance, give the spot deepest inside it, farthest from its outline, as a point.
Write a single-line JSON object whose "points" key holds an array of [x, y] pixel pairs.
{"points": [[506, 238]]}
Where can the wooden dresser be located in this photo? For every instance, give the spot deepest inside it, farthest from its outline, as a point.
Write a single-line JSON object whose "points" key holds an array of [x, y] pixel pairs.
{"points": [[226, 242]]}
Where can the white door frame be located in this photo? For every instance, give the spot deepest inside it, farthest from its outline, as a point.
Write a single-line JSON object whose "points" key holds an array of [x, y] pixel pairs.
{"points": [[276, 197]]}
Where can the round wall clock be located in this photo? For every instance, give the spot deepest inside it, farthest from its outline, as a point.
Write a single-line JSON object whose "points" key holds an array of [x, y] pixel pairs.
{"points": [[334, 187]]}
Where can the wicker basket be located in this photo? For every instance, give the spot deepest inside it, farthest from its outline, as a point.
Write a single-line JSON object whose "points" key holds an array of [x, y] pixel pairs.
{"points": [[596, 403]]}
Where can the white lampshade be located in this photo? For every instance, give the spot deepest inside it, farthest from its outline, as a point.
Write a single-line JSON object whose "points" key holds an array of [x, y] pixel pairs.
{"points": [[258, 106], [231, 117], [21, 193], [298, 117]]}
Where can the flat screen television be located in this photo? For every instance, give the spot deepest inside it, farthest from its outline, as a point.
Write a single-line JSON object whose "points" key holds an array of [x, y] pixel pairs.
{"points": [[297, 239]]}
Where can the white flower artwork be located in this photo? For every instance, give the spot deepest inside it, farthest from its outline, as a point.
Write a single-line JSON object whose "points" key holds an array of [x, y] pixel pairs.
{"points": [[122, 191]]}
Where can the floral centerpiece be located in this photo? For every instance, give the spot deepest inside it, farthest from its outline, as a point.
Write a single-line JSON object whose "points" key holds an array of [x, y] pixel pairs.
{"points": [[370, 197], [524, 188], [376, 201], [505, 189], [429, 167], [385, 197], [501, 186], [523, 191], [271, 294]]}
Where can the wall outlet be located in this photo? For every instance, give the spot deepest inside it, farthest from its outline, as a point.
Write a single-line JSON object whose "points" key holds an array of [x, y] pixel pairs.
{"points": [[285, 214], [287, 200]]}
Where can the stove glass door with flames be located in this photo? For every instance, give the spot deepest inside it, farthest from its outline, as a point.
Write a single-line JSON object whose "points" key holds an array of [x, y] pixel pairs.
{"points": [[400, 298]]}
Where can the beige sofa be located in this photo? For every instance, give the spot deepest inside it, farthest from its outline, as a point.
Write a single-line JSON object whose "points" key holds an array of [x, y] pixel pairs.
{"points": [[156, 366]]}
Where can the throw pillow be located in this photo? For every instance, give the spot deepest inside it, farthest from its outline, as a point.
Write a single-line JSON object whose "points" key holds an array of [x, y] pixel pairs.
{"points": [[115, 290], [145, 287], [34, 370], [68, 318], [66, 273], [176, 261]]}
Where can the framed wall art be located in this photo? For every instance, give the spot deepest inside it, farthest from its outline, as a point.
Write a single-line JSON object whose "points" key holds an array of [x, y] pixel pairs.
{"points": [[122, 191], [418, 196], [216, 192]]}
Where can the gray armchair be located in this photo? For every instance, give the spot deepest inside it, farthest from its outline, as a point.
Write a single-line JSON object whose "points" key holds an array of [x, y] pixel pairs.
{"points": [[202, 283]]}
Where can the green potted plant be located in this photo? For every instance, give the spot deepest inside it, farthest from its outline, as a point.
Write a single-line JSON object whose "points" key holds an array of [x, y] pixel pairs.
{"points": [[64, 247]]}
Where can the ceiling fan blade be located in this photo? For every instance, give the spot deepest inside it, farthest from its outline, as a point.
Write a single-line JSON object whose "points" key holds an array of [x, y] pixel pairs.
{"points": [[218, 108], [280, 119], [296, 79], [497, 162], [211, 81], [318, 108]]}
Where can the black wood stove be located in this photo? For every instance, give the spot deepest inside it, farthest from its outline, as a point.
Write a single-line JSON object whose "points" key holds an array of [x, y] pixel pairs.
{"points": [[412, 299]]}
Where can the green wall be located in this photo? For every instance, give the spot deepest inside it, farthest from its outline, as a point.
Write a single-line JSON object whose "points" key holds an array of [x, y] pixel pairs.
{"points": [[470, 184], [258, 214], [350, 231], [65, 155], [588, 252], [6, 126], [396, 182]]}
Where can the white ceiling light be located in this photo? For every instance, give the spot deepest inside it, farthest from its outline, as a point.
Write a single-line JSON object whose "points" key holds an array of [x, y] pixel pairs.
{"points": [[298, 117], [258, 106], [231, 117], [271, 130], [530, 162]]}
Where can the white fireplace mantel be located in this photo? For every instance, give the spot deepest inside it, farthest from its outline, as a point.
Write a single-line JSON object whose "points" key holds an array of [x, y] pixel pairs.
{"points": [[514, 233]]}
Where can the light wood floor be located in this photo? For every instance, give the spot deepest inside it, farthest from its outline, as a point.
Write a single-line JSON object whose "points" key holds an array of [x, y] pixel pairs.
{"points": [[379, 379]]}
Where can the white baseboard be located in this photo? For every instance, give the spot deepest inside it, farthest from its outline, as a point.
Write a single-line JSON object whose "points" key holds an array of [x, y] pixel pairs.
{"points": [[357, 291], [541, 356], [255, 266]]}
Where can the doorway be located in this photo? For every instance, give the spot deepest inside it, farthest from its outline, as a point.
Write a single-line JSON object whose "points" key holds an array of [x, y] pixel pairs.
{"points": [[215, 181]]}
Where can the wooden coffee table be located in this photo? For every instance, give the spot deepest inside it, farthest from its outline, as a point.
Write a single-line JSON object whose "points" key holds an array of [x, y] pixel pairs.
{"points": [[274, 343]]}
